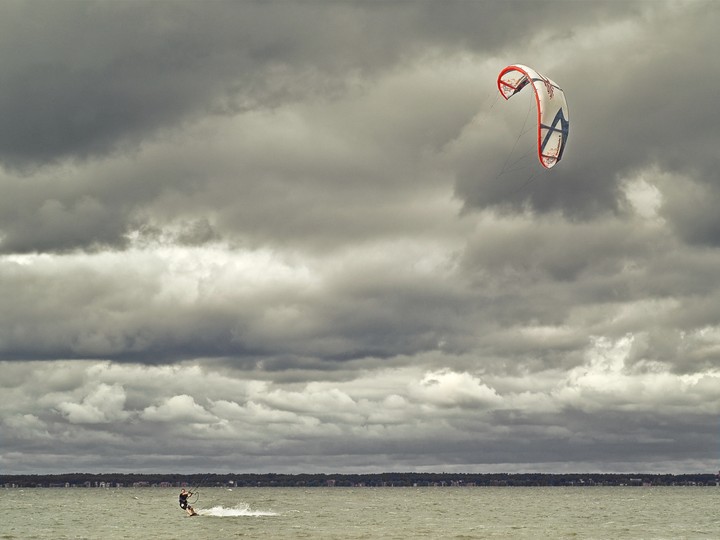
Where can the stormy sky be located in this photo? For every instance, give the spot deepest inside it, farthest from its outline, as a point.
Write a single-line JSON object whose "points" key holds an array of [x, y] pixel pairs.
{"points": [[308, 237]]}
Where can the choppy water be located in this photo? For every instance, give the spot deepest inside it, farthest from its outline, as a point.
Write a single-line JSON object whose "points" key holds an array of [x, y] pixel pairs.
{"points": [[364, 513]]}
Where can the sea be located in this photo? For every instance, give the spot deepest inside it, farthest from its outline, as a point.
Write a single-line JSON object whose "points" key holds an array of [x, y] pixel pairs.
{"points": [[363, 513]]}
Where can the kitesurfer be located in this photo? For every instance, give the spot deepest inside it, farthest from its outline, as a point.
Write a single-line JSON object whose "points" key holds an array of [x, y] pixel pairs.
{"points": [[183, 500]]}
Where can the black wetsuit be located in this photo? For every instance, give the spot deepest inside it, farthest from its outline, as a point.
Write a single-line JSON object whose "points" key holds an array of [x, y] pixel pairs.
{"points": [[183, 500]]}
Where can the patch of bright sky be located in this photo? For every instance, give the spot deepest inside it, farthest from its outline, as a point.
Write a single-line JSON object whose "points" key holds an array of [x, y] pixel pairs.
{"points": [[644, 197]]}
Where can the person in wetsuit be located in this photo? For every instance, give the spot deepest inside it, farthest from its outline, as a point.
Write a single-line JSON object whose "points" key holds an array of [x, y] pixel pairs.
{"points": [[183, 500]]}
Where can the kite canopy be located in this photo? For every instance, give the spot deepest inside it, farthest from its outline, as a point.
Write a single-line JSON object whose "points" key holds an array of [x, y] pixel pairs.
{"points": [[553, 117]]}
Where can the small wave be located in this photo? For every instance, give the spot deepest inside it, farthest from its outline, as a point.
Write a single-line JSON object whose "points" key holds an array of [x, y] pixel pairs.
{"points": [[241, 510]]}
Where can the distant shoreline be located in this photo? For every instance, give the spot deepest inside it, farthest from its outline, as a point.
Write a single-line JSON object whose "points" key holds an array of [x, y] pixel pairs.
{"points": [[206, 480]]}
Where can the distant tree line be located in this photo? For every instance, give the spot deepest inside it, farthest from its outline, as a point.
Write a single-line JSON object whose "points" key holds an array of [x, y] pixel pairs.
{"points": [[353, 480]]}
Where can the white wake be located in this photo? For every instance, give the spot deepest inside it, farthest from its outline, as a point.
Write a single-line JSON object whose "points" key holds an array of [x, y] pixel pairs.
{"points": [[240, 510]]}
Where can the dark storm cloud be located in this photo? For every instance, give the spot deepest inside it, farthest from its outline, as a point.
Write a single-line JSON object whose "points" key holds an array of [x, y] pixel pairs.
{"points": [[102, 80], [85, 78]]}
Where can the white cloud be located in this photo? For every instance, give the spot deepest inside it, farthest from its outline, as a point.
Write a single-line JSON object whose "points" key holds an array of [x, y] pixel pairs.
{"points": [[103, 404], [644, 197], [178, 409], [446, 388]]}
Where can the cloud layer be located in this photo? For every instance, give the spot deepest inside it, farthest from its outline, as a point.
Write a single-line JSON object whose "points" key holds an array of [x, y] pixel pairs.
{"points": [[273, 237]]}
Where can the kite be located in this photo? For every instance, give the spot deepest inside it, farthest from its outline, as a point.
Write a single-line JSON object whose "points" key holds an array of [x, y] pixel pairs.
{"points": [[552, 109]]}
